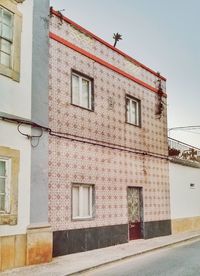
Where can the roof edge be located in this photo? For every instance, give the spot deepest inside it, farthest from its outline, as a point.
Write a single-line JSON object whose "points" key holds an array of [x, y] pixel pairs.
{"points": [[102, 62], [80, 28]]}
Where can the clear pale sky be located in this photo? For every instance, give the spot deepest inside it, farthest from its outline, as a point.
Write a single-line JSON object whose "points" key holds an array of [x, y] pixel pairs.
{"points": [[164, 35]]}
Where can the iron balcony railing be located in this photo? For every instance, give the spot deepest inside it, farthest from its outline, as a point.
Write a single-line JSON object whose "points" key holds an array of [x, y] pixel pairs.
{"points": [[180, 150]]}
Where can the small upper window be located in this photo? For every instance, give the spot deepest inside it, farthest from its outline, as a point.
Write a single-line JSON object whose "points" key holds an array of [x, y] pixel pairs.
{"points": [[10, 38], [6, 36], [81, 91], [82, 201], [4, 185], [133, 111]]}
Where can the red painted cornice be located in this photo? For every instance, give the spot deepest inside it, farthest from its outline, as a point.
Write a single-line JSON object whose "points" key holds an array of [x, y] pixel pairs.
{"points": [[81, 29], [101, 61]]}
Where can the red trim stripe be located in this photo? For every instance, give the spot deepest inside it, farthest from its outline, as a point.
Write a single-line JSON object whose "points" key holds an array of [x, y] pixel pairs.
{"points": [[80, 28], [100, 61]]}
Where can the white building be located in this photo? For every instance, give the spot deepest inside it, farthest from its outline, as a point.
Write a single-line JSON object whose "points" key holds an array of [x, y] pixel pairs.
{"points": [[24, 98], [184, 172]]}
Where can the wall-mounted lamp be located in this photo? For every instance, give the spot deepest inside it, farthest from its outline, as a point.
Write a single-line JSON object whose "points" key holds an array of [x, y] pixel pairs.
{"points": [[192, 185]]}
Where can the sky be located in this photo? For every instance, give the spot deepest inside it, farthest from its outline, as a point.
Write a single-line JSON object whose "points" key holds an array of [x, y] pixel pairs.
{"points": [[163, 35]]}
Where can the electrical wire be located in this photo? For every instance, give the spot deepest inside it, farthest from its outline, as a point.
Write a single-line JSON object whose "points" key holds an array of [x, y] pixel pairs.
{"points": [[184, 127], [27, 135], [31, 137], [117, 147], [78, 138], [189, 131]]}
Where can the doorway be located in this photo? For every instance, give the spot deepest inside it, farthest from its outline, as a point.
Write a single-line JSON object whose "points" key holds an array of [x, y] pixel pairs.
{"points": [[135, 213]]}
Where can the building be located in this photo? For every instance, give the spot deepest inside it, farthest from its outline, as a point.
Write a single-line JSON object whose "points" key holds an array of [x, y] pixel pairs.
{"points": [[108, 148], [83, 145], [184, 172], [25, 235]]}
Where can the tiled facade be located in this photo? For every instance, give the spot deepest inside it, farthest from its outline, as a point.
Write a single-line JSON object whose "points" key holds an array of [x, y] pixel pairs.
{"points": [[100, 147], [112, 171]]}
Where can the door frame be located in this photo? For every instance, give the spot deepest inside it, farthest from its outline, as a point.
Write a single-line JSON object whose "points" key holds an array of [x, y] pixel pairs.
{"points": [[141, 209]]}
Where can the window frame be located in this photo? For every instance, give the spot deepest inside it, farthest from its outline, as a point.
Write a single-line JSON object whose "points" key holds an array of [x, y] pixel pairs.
{"points": [[80, 186], [10, 41], [13, 71], [7, 178], [91, 89], [138, 105], [13, 156]]}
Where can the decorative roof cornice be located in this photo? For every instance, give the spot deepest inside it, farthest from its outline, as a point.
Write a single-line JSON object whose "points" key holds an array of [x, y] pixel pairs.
{"points": [[81, 29]]}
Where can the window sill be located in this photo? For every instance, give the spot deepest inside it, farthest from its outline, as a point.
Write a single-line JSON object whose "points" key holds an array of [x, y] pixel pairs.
{"points": [[8, 219], [91, 110], [83, 219], [139, 126], [8, 72]]}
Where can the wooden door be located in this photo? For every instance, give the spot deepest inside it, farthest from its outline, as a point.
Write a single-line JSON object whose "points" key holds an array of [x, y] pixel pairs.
{"points": [[135, 213]]}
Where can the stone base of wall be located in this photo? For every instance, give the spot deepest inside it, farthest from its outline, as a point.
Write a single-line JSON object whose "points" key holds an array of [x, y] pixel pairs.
{"points": [[78, 240], [32, 248], [154, 229], [39, 245], [185, 224], [12, 251]]}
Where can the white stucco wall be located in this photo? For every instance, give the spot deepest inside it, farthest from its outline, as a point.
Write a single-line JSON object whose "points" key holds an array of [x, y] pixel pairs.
{"points": [[16, 100], [17, 95], [11, 138], [185, 201]]}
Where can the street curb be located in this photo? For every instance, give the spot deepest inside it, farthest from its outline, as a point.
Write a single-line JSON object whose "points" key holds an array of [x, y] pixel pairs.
{"points": [[197, 237]]}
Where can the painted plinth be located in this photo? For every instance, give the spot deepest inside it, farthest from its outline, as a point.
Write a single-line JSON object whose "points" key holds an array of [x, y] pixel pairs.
{"points": [[34, 247], [185, 224], [39, 245], [12, 251]]}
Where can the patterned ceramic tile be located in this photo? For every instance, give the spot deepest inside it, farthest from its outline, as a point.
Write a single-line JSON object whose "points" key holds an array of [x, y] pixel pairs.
{"points": [[110, 170]]}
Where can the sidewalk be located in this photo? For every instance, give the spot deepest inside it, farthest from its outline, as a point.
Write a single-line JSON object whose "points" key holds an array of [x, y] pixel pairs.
{"points": [[79, 262]]}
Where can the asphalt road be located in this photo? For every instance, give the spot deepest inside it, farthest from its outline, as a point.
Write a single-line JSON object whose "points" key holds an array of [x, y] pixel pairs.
{"points": [[182, 260]]}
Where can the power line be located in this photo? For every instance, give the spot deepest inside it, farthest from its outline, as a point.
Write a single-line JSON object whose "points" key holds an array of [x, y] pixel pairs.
{"points": [[185, 127], [77, 138]]}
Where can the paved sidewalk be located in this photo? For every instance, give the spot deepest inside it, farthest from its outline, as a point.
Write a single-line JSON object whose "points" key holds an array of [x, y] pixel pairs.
{"points": [[79, 262]]}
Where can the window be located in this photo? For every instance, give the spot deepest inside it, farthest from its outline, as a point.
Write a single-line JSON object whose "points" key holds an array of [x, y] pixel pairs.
{"points": [[9, 170], [81, 91], [5, 185], [133, 111], [10, 39], [82, 201], [6, 36]]}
